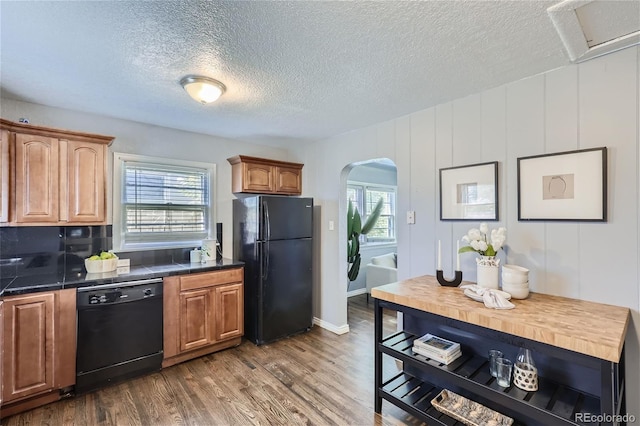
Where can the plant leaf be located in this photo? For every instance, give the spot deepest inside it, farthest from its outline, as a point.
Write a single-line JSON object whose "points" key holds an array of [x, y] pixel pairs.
{"points": [[353, 247], [373, 217], [355, 268], [349, 219], [466, 249], [357, 222]]}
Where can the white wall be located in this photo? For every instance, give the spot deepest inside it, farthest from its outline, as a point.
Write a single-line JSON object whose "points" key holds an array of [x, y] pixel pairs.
{"points": [[137, 138], [580, 106]]}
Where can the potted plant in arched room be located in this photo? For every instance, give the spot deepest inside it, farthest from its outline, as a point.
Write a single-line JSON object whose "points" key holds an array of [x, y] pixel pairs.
{"points": [[355, 228]]}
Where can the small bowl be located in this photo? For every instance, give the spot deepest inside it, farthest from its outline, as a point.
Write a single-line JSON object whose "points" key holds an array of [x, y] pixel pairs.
{"points": [[516, 292], [100, 266], [515, 269], [515, 284], [513, 275]]}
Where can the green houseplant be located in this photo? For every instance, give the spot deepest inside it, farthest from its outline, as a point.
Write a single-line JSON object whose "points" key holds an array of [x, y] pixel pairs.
{"points": [[355, 228]]}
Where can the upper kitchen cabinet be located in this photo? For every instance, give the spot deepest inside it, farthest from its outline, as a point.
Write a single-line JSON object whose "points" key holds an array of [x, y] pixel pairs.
{"points": [[54, 176], [262, 176], [36, 174], [4, 176]]}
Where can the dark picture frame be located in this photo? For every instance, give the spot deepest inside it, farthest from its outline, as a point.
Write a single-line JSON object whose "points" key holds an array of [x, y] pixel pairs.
{"points": [[469, 193], [563, 186]]}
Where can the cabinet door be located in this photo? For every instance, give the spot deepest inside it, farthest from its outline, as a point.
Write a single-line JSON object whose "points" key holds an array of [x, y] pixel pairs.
{"points": [[3, 345], [229, 302], [288, 180], [85, 179], [4, 176], [36, 178], [65, 336], [28, 362], [258, 177], [196, 319]]}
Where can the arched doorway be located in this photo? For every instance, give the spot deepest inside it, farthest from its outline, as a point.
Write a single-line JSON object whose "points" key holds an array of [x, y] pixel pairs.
{"points": [[364, 183]]}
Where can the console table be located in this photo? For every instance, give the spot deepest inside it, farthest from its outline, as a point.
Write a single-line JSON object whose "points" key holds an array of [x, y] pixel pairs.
{"points": [[577, 347]]}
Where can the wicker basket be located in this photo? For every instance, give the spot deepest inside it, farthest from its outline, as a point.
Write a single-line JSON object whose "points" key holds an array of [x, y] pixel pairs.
{"points": [[468, 412], [100, 266]]}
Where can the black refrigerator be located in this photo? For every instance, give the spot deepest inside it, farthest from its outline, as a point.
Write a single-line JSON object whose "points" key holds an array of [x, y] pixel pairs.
{"points": [[272, 236]]}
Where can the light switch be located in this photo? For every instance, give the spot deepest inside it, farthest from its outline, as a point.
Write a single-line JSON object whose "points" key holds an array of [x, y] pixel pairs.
{"points": [[331, 226], [411, 217]]}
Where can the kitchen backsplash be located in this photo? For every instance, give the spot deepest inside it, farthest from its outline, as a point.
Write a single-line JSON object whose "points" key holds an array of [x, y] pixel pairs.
{"points": [[61, 250], [55, 250]]}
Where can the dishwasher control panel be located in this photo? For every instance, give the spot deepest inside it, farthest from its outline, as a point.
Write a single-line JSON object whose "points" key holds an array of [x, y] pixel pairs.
{"points": [[89, 296]]}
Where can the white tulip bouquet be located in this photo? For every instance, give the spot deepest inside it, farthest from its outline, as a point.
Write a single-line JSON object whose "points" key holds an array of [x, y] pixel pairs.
{"points": [[479, 242]]}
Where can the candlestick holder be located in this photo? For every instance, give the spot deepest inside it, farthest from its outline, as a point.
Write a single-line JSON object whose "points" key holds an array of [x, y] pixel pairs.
{"points": [[445, 283]]}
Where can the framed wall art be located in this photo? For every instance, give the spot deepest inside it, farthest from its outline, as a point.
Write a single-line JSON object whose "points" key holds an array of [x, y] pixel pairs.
{"points": [[565, 186], [469, 192]]}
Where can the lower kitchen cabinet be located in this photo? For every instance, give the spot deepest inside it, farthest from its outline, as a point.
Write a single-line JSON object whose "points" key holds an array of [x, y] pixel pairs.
{"points": [[203, 313], [39, 348]]}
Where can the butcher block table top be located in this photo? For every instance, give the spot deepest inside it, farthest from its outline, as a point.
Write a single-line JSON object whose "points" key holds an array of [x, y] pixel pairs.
{"points": [[589, 328]]}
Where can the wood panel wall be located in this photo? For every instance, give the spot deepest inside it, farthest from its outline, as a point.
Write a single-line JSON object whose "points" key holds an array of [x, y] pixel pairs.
{"points": [[592, 104]]}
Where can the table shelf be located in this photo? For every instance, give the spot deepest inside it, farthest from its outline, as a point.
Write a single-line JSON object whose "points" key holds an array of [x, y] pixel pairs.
{"points": [[414, 396], [552, 402]]}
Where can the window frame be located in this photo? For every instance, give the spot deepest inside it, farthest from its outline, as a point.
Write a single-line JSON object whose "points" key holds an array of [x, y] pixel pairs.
{"points": [[364, 187], [118, 178]]}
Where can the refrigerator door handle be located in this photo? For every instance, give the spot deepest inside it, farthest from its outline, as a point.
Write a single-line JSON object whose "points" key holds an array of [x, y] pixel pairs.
{"points": [[267, 222], [266, 257], [262, 252]]}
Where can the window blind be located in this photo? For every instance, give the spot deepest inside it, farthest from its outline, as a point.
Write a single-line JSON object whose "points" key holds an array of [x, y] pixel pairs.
{"points": [[164, 202]]}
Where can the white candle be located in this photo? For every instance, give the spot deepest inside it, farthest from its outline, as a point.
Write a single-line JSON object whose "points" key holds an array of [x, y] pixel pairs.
{"points": [[439, 257], [457, 255]]}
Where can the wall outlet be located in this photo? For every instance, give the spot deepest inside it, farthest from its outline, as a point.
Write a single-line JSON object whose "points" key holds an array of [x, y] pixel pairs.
{"points": [[411, 217]]}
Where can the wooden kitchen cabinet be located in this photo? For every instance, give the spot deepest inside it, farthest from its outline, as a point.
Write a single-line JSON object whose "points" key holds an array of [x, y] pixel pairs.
{"points": [[86, 182], [39, 348], [4, 176], [36, 165], [196, 319], [262, 176], [59, 177], [229, 304], [203, 313]]}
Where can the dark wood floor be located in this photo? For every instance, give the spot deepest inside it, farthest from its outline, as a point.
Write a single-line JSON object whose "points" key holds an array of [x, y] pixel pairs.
{"points": [[315, 378]]}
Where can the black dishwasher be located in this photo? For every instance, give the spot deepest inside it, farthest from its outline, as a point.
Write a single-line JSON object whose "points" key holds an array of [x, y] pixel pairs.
{"points": [[119, 332]]}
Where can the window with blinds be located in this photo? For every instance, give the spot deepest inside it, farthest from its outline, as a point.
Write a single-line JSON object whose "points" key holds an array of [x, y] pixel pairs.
{"points": [[163, 203], [365, 197]]}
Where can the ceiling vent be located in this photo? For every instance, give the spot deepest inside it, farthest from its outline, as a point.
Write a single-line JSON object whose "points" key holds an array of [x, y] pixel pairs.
{"points": [[591, 28]]}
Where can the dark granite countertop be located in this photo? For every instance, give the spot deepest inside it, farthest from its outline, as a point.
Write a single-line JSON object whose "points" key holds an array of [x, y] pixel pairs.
{"points": [[74, 279]]}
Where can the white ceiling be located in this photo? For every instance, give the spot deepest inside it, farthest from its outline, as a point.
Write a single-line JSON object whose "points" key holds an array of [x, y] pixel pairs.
{"points": [[294, 71]]}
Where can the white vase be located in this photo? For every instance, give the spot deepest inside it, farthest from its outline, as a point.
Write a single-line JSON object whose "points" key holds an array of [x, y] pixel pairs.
{"points": [[488, 268]]}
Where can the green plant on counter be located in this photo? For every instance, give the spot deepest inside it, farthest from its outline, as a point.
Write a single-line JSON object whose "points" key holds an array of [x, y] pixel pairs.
{"points": [[355, 228]]}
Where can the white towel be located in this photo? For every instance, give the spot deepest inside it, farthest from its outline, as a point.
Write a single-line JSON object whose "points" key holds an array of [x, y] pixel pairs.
{"points": [[490, 297]]}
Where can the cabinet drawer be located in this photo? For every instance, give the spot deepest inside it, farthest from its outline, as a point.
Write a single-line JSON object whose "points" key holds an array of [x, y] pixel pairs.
{"points": [[208, 279]]}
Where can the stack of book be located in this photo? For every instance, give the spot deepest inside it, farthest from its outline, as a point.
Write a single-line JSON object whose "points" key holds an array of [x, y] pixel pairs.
{"points": [[437, 348]]}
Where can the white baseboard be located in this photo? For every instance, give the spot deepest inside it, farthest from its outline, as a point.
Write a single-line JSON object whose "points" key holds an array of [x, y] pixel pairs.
{"points": [[331, 327], [356, 292]]}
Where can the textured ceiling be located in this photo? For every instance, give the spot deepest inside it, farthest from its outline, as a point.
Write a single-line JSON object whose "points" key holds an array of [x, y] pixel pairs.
{"points": [[294, 70]]}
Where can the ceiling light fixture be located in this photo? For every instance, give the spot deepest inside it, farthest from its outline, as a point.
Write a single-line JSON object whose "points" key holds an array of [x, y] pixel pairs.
{"points": [[203, 89]]}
